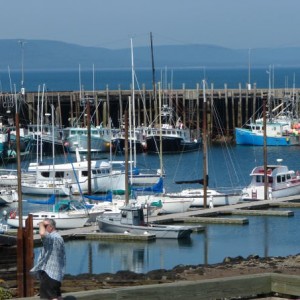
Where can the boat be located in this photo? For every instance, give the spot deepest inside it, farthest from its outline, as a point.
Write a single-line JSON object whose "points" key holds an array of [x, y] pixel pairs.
{"points": [[281, 122], [154, 195], [131, 220], [173, 136], [200, 197], [43, 135], [8, 195], [282, 182], [47, 187], [75, 175], [9, 177], [77, 138], [279, 133], [67, 214], [196, 197]]}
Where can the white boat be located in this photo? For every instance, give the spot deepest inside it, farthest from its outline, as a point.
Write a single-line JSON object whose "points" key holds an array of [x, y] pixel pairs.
{"points": [[43, 187], [131, 220], [103, 178], [214, 197], [77, 138], [9, 177], [8, 195], [282, 182], [67, 215], [169, 205]]}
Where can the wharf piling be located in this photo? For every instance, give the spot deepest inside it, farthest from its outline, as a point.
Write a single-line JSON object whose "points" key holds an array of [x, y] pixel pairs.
{"points": [[226, 108]]}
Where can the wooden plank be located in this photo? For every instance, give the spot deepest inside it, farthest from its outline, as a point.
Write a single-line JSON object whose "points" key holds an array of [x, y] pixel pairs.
{"points": [[114, 236], [210, 220], [275, 213], [285, 284], [285, 204]]}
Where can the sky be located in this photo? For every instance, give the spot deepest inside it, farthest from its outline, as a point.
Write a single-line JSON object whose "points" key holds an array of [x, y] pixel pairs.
{"points": [[236, 24]]}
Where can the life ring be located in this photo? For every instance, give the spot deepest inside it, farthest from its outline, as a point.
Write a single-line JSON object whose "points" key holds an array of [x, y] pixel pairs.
{"points": [[12, 214]]}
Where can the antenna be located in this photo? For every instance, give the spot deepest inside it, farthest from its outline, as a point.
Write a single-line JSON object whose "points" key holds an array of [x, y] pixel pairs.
{"points": [[22, 43]]}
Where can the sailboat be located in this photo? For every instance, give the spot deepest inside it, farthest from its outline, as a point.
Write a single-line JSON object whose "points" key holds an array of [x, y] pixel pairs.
{"points": [[200, 196], [67, 215], [137, 177], [51, 185], [131, 218]]}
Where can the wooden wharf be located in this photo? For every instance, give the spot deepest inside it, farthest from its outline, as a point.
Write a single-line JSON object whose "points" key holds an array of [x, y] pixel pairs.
{"points": [[226, 108], [199, 216], [243, 208]]}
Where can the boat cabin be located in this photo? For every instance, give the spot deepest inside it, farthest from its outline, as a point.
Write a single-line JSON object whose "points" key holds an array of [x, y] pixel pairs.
{"points": [[132, 215], [272, 130], [276, 175]]}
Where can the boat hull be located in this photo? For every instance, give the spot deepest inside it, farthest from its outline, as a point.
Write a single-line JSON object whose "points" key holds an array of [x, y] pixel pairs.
{"points": [[246, 137], [169, 205], [214, 198], [170, 145], [111, 223], [63, 220]]}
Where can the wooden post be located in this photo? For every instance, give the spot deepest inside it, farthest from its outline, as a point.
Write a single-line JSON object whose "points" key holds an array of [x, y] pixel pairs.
{"points": [[121, 108], [226, 109], [240, 107], [29, 255]]}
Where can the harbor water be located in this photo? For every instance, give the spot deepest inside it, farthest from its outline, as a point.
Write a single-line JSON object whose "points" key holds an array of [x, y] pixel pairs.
{"points": [[229, 166]]}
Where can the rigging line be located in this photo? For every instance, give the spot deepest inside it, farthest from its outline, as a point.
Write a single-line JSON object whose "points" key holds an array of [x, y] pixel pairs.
{"points": [[230, 162]]}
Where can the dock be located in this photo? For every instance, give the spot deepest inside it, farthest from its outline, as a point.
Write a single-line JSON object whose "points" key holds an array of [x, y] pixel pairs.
{"points": [[211, 215], [221, 105], [195, 216]]}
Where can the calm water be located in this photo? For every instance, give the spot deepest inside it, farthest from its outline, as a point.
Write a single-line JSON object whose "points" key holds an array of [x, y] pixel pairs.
{"points": [[228, 167], [173, 78]]}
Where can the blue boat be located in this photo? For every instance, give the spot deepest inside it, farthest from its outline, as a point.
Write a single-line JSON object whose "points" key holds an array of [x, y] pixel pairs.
{"points": [[278, 134]]}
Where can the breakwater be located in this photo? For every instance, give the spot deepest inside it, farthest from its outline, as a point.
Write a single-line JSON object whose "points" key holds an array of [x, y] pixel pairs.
{"points": [[226, 108]]}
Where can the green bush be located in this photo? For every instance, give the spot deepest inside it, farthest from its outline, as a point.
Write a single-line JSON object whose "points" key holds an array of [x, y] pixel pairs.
{"points": [[5, 294]]}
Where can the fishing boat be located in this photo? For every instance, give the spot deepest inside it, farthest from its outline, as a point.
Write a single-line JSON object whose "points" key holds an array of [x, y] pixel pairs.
{"points": [[131, 220], [281, 182], [67, 214], [169, 135], [279, 133], [77, 138], [281, 126]]}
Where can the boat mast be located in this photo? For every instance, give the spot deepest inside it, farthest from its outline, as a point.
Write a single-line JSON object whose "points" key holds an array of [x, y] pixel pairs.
{"points": [[153, 78], [160, 130], [126, 157], [132, 130], [265, 151], [204, 143]]}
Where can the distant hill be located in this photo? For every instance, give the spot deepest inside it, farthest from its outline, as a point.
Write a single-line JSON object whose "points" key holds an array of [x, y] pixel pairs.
{"points": [[44, 54]]}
